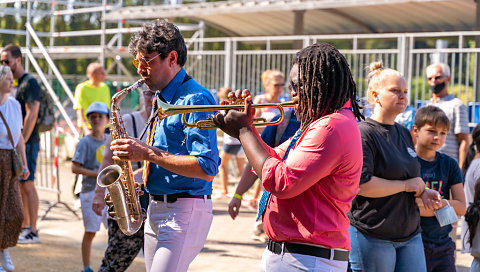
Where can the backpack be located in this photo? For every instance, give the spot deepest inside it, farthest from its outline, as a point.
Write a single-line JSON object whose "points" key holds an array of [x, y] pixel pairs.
{"points": [[46, 112]]}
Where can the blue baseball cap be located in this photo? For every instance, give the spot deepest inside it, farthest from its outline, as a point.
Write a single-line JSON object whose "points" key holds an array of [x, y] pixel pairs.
{"points": [[98, 107]]}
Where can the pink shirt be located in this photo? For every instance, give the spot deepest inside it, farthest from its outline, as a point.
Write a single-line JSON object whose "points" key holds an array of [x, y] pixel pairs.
{"points": [[313, 188]]}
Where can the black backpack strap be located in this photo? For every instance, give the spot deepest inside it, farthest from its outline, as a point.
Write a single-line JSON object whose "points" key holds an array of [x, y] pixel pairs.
{"points": [[25, 79], [23, 83]]}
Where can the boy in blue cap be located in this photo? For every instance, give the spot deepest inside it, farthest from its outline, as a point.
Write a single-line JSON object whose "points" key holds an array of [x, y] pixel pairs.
{"points": [[86, 161]]}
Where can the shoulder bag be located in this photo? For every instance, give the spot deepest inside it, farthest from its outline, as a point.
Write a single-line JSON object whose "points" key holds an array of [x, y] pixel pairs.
{"points": [[17, 159]]}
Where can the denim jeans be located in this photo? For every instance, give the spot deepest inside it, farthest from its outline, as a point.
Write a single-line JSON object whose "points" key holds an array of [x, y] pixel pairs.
{"points": [[371, 254], [31, 150], [475, 265]]}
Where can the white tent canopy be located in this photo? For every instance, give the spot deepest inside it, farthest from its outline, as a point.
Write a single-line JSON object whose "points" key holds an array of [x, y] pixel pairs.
{"points": [[287, 17]]}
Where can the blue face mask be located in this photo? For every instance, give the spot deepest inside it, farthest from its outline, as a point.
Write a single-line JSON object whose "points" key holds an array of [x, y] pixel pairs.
{"points": [[446, 215], [437, 88]]}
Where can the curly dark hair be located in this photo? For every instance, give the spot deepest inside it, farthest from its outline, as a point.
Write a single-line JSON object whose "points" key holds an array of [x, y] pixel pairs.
{"points": [[160, 36], [472, 216], [325, 83]]}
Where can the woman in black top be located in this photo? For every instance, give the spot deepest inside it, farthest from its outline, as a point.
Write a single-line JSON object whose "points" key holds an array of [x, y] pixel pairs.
{"points": [[385, 221]]}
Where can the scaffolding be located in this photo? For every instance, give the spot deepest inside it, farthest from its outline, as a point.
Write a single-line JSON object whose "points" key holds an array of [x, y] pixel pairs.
{"points": [[112, 49], [34, 49]]}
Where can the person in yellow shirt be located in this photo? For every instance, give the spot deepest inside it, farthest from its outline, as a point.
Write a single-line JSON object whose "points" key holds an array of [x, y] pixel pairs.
{"points": [[92, 90]]}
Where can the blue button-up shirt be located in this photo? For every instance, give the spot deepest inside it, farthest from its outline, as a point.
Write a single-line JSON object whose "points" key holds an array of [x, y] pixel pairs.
{"points": [[172, 136]]}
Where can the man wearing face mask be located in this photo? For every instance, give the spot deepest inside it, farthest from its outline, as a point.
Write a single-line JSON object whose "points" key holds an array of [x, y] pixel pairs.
{"points": [[456, 144]]}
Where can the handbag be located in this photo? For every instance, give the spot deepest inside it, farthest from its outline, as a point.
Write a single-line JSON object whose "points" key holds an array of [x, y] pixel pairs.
{"points": [[16, 158]]}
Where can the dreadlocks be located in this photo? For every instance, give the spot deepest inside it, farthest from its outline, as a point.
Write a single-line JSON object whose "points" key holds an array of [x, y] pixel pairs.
{"points": [[325, 83]]}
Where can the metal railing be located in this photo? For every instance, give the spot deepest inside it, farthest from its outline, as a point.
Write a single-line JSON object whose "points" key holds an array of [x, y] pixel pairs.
{"points": [[409, 53]]}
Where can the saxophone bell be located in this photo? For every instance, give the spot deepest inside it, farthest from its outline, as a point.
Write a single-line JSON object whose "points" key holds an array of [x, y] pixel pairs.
{"points": [[110, 178]]}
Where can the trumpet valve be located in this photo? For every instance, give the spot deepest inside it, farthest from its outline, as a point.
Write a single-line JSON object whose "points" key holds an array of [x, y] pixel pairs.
{"points": [[231, 96]]}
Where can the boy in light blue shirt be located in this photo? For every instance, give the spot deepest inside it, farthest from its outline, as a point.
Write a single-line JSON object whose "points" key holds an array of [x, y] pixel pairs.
{"points": [[86, 161]]}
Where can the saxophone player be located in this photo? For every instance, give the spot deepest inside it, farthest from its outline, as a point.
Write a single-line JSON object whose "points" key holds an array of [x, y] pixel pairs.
{"points": [[122, 249], [181, 162]]}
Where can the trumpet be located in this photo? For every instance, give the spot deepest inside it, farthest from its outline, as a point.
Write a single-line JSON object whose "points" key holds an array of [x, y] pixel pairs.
{"points": [[165, 110]]}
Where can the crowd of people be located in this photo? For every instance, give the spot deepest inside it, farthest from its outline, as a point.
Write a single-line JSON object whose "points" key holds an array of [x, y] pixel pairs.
{"points": [[342, 191]]}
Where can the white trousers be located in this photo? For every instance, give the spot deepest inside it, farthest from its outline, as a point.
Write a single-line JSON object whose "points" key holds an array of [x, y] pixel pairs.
{"points": [[287, 262], [175, 233]]}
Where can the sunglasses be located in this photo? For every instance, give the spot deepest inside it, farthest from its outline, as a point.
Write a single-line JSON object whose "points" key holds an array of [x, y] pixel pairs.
{"points": [[436, 78], [293, 86], [145, 63], [4, 62]]}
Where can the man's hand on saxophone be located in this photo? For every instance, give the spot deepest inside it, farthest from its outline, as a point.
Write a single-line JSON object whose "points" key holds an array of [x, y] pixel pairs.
{"points": [[130, 149]]}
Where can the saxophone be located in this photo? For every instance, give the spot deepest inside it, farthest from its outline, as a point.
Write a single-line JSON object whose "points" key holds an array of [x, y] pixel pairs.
{"points": [[118, 178]]}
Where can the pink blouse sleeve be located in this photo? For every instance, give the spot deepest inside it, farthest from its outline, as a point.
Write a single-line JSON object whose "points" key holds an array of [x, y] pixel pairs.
{"points": [[314, 157]]}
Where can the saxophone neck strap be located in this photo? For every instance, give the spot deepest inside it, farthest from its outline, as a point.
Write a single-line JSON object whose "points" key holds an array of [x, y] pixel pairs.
{"points": [[154, 112]]}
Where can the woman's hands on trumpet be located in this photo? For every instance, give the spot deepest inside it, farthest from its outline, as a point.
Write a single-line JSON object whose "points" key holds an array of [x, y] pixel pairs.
{"points": [[239, 124], [233, 121]]}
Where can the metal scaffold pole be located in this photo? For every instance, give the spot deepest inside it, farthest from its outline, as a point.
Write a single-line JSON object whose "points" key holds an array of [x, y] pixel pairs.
{"points": [[102, 37], [27, 35], [477, 44]]}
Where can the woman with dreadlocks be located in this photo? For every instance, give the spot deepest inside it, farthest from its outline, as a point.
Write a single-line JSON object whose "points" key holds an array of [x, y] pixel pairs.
{"points": [[385, 230], [310, 179]]}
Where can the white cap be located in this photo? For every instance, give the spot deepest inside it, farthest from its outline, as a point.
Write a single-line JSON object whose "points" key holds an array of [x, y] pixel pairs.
{"points": [[98, 107]]}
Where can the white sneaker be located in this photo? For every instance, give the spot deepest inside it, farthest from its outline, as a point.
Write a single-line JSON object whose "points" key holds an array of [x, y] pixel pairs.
{"points": [[7, 263], [2, 270], [30, 238], [24, 232]]}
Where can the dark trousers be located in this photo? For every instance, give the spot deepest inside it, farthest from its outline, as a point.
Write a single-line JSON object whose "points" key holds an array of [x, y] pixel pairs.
{"points": [[121, 249], [440, 258]]}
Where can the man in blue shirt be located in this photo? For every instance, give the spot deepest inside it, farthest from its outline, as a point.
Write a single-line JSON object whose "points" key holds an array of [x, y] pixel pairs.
{"points": [[181, 161]]}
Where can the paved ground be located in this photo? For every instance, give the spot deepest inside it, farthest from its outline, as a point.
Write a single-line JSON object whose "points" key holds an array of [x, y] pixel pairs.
{"points": [[228, 248]]}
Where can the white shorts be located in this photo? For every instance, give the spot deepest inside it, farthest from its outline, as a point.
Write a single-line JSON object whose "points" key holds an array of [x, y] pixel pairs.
{"points": [[91, 221]]}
